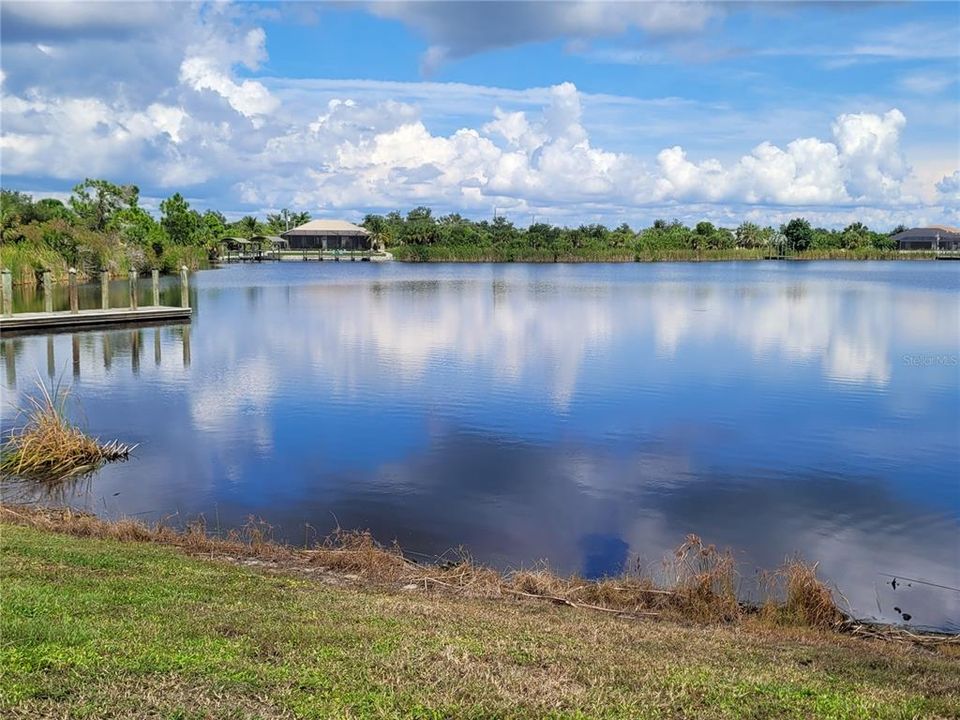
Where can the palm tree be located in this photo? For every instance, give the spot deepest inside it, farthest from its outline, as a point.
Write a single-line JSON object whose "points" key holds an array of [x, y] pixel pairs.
{"points": [[250, 225]]}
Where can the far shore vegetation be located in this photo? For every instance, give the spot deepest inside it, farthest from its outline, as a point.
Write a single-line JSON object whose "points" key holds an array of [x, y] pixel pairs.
{"points": [[124, 620], [103, 227]]}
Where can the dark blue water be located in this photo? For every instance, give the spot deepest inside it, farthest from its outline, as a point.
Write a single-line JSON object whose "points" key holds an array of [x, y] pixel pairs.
{"points": [[585, 415]]}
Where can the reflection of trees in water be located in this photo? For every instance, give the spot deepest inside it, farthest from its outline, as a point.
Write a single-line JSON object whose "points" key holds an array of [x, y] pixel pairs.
{"points": [[29, 298]]}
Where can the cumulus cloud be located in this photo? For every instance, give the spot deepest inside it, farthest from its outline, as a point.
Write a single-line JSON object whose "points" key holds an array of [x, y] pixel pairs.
{"points": [[249, 97], [77, 137], [358, 155], [863, 163], [209, 64], [949, 187], [195, 111]]}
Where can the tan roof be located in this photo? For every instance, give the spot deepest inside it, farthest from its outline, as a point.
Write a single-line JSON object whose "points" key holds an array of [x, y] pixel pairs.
{"points": [[326, 227], [927, 232]]}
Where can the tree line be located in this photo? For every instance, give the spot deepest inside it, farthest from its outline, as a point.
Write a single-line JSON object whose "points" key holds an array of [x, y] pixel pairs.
{"points": [[421, 228], [103, 227]]}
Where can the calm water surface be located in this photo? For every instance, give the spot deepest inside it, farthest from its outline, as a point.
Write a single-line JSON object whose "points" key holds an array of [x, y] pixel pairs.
{"points": [[585, 415]]}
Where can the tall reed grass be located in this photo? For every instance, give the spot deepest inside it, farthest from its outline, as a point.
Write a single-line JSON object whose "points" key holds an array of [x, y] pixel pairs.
{"points": [[48, 447]]}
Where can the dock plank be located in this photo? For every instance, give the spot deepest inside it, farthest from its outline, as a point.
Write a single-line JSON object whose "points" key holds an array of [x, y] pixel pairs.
{"points": [[66, 320]]}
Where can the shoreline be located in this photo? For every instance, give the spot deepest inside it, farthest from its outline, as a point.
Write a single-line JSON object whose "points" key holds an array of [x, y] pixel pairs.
{"points": [[130, 627], [441, 254], [404, 254], [703, 591]]}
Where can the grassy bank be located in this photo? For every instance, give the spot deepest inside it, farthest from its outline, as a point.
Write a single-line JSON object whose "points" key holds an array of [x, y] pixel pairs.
{"points": [[103, 628], [452, 253], [28, 260]]}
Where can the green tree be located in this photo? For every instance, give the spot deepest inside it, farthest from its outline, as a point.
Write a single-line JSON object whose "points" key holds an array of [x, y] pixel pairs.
{"points": [[211, 230], [248, 225], [855, 235], [286, 220], [96, 201], [14, 207], [51, 209], [798, 233], [751, 235], [134, 225], [178, 220]]}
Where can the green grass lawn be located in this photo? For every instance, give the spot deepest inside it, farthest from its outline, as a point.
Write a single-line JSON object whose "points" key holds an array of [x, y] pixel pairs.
{"points": [[95, 628]]}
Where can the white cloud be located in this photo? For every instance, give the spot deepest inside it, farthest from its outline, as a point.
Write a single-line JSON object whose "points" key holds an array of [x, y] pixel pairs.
{"points": [[863, 164], [78, 137], [949, 187], [249, 98], [357, 154], [193, 111]]}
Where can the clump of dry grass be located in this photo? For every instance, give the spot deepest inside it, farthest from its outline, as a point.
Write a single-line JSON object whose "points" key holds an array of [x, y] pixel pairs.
{"points": [[808, 599], [704, 582], [49, 447]]}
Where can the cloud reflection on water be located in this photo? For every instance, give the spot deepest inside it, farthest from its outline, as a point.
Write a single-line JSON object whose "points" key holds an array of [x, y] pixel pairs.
{"points": [[558, 413]]}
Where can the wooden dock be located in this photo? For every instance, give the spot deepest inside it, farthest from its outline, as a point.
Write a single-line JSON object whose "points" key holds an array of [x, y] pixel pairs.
{"points": [[12, 323], [85, 319]]}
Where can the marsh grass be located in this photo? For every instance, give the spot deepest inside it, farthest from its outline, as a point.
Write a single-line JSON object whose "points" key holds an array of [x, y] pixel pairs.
{"points": [[47, 447], [699, 582]]}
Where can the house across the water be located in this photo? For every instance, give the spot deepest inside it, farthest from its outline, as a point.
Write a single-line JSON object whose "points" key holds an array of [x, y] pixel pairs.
{"points": [[328, 235], [935, 237]]}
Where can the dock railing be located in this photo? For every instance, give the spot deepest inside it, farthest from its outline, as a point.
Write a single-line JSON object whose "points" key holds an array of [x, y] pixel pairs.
{"points": [[102, 315]]}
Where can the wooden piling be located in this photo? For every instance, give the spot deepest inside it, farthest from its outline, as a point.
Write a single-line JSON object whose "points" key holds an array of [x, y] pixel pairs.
{"points": [[10, 360], [51, 359], [133, 289], [184, 287], [74, 299], [135, 352], [155, 278], [105, 290], [75, 347], [47, 292], [107, 351], [7, 293]]}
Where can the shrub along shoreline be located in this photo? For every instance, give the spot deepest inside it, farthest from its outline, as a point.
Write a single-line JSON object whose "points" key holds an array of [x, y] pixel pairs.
{"points": [[121, 620], [467, 254]]}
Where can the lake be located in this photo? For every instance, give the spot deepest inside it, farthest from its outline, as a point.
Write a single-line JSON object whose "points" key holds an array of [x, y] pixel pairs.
{"points": [[587, 416]]}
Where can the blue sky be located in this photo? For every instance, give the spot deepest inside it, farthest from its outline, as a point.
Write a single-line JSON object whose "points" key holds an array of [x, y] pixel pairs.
{"points": [[574, 111]]}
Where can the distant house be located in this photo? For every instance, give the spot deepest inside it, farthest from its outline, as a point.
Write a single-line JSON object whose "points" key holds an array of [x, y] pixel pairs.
{"points": [[328, 235], [935, 237]]}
